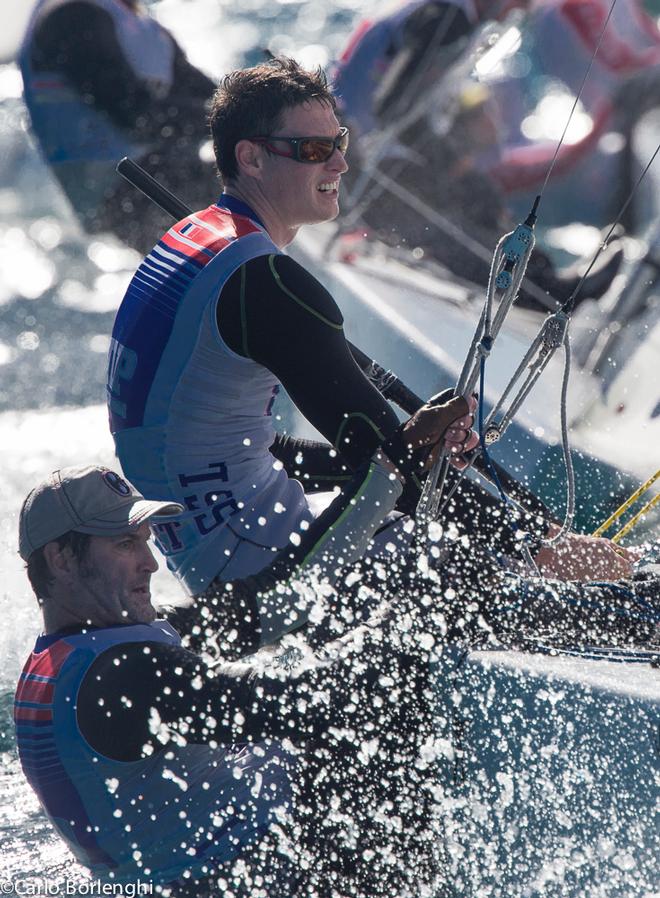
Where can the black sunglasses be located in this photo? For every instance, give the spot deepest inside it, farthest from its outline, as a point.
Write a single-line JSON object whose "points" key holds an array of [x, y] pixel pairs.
{"points": [[307, 149]]}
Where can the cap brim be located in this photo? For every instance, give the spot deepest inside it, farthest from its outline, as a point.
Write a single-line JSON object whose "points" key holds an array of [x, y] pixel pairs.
{"points": [[129, 516]]}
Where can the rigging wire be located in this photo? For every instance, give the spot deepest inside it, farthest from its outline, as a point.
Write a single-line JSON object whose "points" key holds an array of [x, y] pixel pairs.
{"points": [[577, 98], [516, 402]]}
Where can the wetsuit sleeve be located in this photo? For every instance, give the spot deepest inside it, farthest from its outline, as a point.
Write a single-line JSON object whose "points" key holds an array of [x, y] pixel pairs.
{"points": [[318, 466], [234, 619], [132, 693], [226, 615], [137, 696], [484, 517], [273, 311], [79, 40]]}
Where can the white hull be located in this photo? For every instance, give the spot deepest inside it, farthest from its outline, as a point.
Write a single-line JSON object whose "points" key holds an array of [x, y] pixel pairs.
{"points": [[551, 778], [421, 326]]}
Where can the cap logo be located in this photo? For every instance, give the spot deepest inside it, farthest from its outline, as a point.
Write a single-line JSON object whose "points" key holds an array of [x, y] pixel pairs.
{"points": [[116, 483]]}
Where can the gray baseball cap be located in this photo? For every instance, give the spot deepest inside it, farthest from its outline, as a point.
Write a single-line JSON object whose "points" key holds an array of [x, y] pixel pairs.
{"points": [[89, 499]]}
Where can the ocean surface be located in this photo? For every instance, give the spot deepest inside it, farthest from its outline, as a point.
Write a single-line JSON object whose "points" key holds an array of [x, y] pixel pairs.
{"points": [[59, 290]]}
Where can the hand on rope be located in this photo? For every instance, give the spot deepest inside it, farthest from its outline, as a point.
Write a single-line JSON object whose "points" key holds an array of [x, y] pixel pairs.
{"points": [[581, 557], [443, 423]]}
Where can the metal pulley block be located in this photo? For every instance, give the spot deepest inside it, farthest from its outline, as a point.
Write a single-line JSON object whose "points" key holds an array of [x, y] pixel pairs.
{"points": [[513, 249], [554, 332], [503, 279], [492, 435]]}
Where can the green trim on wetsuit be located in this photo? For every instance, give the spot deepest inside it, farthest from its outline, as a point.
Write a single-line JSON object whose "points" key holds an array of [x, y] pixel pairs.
{"points": [[329, 533], [315, 464], [289, 293], [379, 433], [315, 365], [331, 478], [303, 344]]}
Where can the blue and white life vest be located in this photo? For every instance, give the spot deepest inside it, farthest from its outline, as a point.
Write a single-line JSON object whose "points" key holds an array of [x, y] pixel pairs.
{"points": [[176, 810], [79, 141], [191, 419]]}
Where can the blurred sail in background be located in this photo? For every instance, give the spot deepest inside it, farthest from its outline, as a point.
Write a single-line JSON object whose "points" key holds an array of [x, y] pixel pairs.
{"points": [[15, 15]]}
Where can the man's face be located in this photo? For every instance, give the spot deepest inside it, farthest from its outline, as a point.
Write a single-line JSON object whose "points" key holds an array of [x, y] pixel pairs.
{"points": [[302, 193], [112, 579]]}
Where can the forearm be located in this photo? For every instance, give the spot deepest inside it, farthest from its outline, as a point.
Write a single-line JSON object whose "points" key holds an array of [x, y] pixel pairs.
{"points": [[223, 619], [297, 591], [137, 698], [318, 466], [237, 618], [484, 517]]}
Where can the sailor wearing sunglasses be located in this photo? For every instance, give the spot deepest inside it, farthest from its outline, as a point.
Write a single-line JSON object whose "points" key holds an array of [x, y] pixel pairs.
{"points": [[215, 320]]}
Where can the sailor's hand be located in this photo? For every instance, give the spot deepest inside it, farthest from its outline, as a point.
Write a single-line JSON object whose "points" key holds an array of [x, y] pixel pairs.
{"points": [[581, 557], [447, 425]]}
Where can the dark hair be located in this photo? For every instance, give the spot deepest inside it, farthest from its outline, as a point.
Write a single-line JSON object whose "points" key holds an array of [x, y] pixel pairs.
{"points": [[250, 103], [38, 571]]}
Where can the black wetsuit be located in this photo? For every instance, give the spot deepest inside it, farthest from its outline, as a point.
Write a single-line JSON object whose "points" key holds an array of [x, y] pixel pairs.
{"points": [[275, 312], [351, 816]]}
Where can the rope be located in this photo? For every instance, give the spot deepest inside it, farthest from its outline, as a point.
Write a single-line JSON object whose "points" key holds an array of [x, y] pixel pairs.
{"points": [[566, 449], [506, 273], [640, 514], [625, 506], [427, 507]]}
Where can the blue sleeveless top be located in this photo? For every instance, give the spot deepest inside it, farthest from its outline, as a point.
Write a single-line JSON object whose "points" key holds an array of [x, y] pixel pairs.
{"points": [[158, 817], [191, 419]]}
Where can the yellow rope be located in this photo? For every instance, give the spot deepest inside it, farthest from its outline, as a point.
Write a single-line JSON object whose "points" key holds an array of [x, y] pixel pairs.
{"points": [[631, 523], [625, 506]]}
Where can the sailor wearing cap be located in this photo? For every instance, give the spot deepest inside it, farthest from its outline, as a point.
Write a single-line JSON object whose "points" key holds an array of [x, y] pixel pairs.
{"points": [[246, 779], [84, 534], [108, 684]]}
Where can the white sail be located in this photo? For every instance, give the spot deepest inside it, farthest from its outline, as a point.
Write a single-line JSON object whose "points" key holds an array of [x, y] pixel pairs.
{"points": [[15, 17]]}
